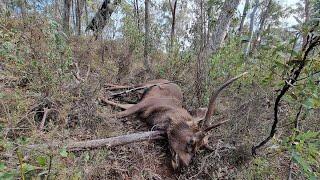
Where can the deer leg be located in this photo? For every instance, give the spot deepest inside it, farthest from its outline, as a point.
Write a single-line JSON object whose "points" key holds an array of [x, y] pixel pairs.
{"points": [[122, 106]]}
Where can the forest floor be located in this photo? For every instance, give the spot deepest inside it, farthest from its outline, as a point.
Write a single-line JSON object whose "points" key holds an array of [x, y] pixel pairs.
{"points": [[249, 116], [29, 88]]}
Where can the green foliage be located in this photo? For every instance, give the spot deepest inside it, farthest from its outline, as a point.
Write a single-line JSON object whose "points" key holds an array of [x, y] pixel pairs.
{"points": [[5, 173], [261, 168], [229, 56], [63, 152], [42, 161], [305, 151]]}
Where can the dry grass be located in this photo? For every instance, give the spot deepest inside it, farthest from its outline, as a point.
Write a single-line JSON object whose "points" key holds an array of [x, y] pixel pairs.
{"points": [[76, 114]]}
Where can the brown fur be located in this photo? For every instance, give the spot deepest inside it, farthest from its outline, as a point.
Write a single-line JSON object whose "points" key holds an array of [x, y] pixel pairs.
{"points": [[161, 107]]}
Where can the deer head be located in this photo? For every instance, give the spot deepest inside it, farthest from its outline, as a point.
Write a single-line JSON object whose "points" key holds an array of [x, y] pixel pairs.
{"points": [[188, 135]]}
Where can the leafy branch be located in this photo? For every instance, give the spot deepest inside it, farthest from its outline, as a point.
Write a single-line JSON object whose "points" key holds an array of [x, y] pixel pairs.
{"points": [[312, 42]]}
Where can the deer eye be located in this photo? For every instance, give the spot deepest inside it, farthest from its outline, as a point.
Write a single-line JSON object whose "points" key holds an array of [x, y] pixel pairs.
{"points": [[191, 142], [190, 145]]}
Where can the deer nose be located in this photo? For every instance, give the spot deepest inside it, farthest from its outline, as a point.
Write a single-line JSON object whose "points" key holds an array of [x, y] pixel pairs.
{"points": [[185, 159]]}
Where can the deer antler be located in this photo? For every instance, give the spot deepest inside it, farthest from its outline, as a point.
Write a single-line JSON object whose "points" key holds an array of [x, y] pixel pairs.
{"points": [[211, 108]]}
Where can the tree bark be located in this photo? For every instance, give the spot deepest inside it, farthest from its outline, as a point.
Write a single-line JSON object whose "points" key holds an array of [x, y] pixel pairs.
{"points": [[66, 16], [223, 23], [218, 36], [137, 14], [23, 7], [244, 15], [101, 18], [86, 12], [98, 143], [79, 6], [252, 18], [200, 81], [124, 62], [263, 18], [147, 42], [306, 18], [306, 10], [173, 21]]}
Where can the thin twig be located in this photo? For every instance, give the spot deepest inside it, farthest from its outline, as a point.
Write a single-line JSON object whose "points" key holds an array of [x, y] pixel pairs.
{"points": [[296, 126], [20, 162], [49, 169], [45, 114], [317, 72]]}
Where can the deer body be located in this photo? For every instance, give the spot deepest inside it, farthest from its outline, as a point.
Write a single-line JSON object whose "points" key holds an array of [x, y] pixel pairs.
{"points": [[161, 108]]}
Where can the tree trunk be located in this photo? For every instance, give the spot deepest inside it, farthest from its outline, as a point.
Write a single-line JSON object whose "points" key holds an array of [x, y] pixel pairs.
{"points": [[79, 6], [263, 18], [306, 18], [200, 81], [86, 12], [23, 6], [173, 22], [223, 23], [147, 43], [124, 62], [252, 18], [66, 15], [218, 36], [137, 14], [101, 18], [56, 9], [244, 15]]}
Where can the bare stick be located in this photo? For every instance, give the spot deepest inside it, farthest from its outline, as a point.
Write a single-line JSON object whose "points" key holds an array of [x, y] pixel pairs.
{"points": [[108, 142], [45, 114], [116, 87], [21, 163], [49, 169], [296, 123]]}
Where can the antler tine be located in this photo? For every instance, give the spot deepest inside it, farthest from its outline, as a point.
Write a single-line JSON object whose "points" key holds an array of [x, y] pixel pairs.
{"points": [[215, 125], [211, 107]]}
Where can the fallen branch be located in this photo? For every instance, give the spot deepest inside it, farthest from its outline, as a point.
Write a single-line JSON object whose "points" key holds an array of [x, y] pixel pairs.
{"points": [[108, 142], [111, 87], [138, 88], [43, 121]]}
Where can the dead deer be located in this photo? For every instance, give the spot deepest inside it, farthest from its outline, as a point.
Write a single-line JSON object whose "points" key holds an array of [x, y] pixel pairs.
{"points": [[161, 108]]}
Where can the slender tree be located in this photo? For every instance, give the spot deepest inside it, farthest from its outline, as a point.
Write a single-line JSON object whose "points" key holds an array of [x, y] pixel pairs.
{"points": [[218, 35], [306, 17], [200, 81], [173, 8], [66, 15], [23, 6], [147, 43], [252, 19], [244, 15], [137, 13], [79, 7], [263, 17], [223, 23], [101, 18]]}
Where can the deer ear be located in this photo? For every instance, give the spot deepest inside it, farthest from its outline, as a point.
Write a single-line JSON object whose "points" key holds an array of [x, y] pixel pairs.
{"points": [[198, 114]]}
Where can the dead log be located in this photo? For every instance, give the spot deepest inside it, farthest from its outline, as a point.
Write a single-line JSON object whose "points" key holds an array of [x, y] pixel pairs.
{"points": [[98, 143]]}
